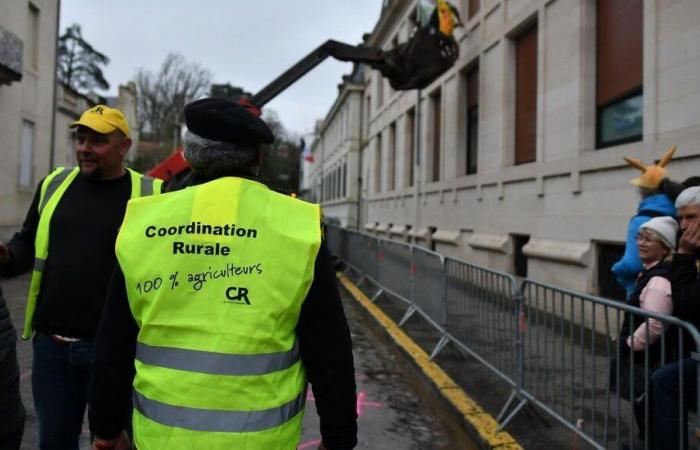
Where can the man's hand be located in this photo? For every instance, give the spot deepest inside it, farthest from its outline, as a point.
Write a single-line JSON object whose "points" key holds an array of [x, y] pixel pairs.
{"points": [[321, 446], [120, 442], [690, 239], [4, 254]]}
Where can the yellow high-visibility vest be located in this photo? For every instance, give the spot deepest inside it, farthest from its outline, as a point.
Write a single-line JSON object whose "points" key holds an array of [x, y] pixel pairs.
{"points": [[52, 190], [216, 275]]}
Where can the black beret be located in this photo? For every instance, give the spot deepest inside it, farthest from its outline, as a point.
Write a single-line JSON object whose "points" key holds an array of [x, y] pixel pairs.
{"points": [[224, 120]]}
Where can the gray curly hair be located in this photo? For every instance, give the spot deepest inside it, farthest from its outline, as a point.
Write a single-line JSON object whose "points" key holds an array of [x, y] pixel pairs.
{"points": [[215, 158]]}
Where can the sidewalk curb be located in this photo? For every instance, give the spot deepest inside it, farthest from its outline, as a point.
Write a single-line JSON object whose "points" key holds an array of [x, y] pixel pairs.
{"points": [[480, 424]]}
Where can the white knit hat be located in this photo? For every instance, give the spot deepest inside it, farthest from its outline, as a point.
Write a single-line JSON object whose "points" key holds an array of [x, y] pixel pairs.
{"points": [[665, 227]]}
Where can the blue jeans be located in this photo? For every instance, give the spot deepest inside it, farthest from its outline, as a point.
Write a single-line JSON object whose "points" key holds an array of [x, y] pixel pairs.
{"points": [[61, 376], [666, 390]]}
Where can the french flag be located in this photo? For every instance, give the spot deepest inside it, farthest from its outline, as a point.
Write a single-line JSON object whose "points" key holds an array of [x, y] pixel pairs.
{"points": [[306, 152]]}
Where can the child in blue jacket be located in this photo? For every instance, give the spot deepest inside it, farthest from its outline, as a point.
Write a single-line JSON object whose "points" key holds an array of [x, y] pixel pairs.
{"points": [[654, 203]]}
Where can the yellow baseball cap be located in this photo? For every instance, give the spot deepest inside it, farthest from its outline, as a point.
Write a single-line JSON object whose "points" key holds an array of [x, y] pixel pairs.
{"points": [[103, 119]]}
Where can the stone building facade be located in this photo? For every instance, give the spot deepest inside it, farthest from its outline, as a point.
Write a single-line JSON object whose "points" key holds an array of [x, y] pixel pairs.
{"points": [[27, 79], [332, 179], [513, 158]]}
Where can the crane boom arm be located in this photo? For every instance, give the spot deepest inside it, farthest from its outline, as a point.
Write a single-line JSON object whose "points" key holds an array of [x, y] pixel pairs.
{"points": [[338, 50]]}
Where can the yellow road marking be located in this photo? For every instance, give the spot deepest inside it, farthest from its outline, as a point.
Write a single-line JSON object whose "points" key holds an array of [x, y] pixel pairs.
{"points": [[481, 421]]}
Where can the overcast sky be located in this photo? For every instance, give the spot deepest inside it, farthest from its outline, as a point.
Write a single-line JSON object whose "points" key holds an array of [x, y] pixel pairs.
{"points": [[244, 42]]}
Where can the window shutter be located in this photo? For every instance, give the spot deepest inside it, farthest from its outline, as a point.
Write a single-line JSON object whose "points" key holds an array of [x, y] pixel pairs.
{"points": [[526, 96], [473, 7], [473, 87], [619, 48], [437, 129]]}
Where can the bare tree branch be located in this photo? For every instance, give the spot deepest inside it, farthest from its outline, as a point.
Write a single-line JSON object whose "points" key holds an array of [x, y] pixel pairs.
{"points": [[163, 95]]}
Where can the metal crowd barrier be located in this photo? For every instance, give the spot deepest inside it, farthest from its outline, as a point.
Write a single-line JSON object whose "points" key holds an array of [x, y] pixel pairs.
{"points": [[429, 286], [557, 349], [572, 356], [482, 317], [396, 274]]}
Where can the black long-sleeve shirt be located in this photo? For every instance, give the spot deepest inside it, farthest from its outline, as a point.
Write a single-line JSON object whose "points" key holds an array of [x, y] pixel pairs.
{"points": [[685, 288], [324, 342], [82, 233]]}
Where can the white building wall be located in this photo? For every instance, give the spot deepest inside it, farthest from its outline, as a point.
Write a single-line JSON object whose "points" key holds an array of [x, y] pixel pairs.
{"points": [[337, 145], [30, 99], [573, 196]]}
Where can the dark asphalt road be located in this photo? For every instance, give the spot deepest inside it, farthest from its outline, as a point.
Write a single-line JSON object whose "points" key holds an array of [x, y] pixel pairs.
{"points": [[396, 410]]}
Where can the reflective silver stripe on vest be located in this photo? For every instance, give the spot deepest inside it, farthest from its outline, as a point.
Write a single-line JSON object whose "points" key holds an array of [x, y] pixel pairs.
{"points": [[215, 420], [216, 363], [146, 186], [39, 264], [53, 185]]}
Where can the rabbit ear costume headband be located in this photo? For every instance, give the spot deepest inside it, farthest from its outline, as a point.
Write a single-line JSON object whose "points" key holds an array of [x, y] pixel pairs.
{"points": [[653, 174]]}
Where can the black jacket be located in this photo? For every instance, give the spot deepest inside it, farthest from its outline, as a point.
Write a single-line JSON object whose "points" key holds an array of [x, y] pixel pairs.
{"points": [[82, 232], [685, 284], [11, 410]]}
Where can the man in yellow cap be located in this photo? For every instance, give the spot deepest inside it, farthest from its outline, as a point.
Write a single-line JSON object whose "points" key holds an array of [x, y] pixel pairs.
{"points": [[67, 240]]}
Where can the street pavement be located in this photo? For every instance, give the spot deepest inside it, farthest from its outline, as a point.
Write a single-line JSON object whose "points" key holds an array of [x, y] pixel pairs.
{"points": [[395, 409]]}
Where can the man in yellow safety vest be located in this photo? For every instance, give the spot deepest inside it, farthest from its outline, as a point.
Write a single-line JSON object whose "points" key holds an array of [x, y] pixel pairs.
{"points": [[222, 306], [67, 240]]}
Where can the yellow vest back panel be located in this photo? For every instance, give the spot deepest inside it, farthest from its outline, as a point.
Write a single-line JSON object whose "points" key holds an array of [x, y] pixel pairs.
{"points": [[216, 275]]}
